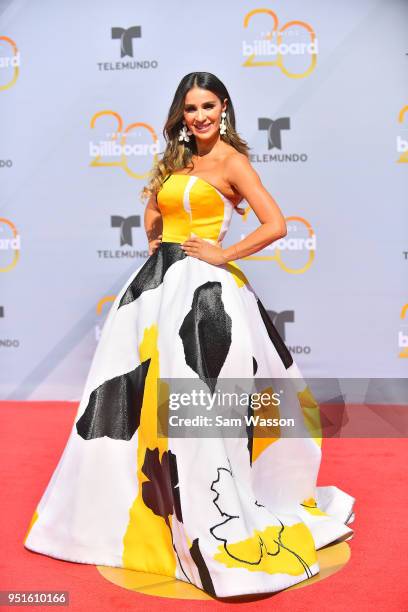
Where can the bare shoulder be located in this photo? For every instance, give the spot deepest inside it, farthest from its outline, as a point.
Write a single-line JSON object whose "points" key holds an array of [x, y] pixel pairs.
{"points": [[235, 160], [236, 166]]}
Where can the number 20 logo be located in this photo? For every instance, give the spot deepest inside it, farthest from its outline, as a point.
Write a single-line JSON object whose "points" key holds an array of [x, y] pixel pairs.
{"points": [[250, 62], [123, 133]]}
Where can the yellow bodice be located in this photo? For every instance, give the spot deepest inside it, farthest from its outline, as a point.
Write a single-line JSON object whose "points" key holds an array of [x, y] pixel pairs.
{"points": [[191, 206]]}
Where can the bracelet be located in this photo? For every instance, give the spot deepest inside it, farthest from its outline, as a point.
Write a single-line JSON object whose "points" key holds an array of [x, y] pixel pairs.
{"points": [[236, 252]]}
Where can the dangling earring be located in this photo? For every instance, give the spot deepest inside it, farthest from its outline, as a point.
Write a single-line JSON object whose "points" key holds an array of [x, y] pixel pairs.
{"points": [[223, 125], [184, 133]]}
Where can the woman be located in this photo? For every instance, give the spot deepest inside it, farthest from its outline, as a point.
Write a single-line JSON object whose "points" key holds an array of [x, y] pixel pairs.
{"points": [[231, 513]]}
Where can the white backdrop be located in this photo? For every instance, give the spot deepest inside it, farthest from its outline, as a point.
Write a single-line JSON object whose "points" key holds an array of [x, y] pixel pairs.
{"points": [[325, 114]]}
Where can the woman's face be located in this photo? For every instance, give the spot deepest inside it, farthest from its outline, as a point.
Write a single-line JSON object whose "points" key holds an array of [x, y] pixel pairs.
{"points": [[202, 112]]}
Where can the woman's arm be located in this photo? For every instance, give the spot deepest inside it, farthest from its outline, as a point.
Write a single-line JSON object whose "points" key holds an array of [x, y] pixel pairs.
{"points": [[240, 173], [153, 224]]}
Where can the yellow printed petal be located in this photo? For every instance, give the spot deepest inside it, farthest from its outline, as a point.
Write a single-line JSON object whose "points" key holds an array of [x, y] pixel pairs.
{"points": [[272, 550]]}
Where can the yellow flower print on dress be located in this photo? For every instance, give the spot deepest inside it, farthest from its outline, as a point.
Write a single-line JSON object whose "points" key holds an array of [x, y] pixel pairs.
{"points": [[268, 544]]}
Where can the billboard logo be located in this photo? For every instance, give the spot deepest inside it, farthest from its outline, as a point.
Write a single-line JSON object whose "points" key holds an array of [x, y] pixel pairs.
{"points": [[10, 61], [403, 334], [114, 143], [108, 299], [10, 244], [289, 251], [402, 143], [281, 43]]}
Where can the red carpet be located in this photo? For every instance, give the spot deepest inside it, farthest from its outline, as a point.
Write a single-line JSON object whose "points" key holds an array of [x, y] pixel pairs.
{"points": [[33, 436]]}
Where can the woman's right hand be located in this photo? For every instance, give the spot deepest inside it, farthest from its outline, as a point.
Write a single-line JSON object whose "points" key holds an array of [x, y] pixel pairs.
{"points": [[154, 245]]}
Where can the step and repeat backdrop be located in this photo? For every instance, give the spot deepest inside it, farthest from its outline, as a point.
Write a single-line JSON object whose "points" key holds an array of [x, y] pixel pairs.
{"points": [[320, 95]]}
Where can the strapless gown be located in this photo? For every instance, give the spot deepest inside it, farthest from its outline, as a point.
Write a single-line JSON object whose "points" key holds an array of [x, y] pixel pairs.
{"points": [[230, 515]]}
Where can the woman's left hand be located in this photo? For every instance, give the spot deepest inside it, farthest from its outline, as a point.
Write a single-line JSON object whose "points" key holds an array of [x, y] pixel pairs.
{"points": [[206, 251]]}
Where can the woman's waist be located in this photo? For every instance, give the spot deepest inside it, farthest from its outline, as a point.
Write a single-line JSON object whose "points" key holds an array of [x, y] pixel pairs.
{"points": [[180, 239], [179, 230]]}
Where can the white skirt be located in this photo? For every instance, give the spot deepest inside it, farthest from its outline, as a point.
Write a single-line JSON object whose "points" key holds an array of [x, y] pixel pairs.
{"points": [[230, 514]]}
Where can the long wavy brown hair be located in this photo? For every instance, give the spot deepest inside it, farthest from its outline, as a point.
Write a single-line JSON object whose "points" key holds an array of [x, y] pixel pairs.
{"points": [[178, 154]]}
